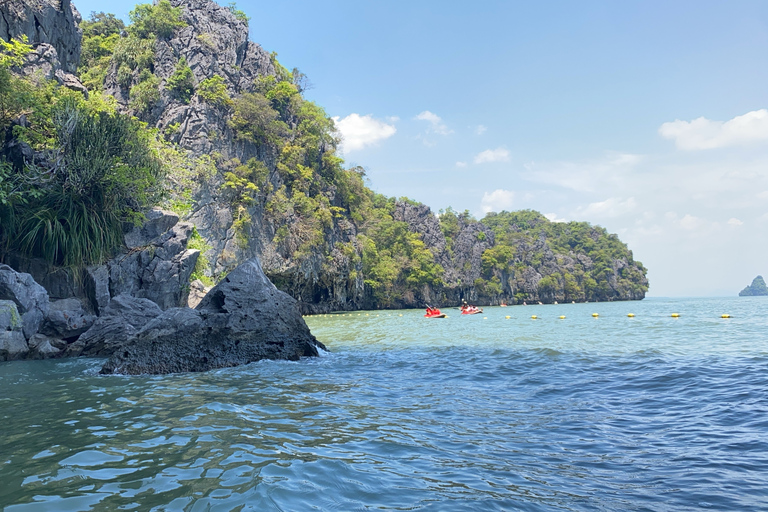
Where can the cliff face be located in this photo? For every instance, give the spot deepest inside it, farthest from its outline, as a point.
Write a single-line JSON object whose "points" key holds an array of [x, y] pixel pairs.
{"points": [[282, 196], [51, 22]]}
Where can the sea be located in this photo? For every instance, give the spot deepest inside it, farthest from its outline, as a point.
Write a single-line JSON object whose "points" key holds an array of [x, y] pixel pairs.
{"points": [[581, 408]]}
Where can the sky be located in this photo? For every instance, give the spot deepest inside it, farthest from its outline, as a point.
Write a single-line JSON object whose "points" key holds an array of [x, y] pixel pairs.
{"points": [[649, 118]]}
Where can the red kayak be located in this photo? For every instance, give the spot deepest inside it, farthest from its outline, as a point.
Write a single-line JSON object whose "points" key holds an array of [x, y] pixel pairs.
{"points": [[435, 315], [471, 311]]}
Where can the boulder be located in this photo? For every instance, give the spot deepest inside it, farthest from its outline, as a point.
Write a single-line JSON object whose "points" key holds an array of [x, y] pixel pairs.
{"points": [[44, 347], [13, 345], [120, 320], [67, 318], [30, 298], [242, 319]]}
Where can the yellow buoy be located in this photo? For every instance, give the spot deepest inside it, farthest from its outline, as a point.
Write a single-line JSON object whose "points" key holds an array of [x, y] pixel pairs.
{"points": [[485, 318], [675, 315], [534, 317], [507, 317], [562, 317], [595, 315], [725, 316], [631, 315], [400, 315]]}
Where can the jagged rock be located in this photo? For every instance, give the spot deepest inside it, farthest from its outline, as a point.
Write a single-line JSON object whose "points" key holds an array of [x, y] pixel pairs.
{"points": [[44, 347], [121, 319], [67, 318], [242, 319], [197, 290], [10, 320], [30, 298], [70, 81], [97, 286], [54, 22], [13, 345], [159, 272], [157, 223]]}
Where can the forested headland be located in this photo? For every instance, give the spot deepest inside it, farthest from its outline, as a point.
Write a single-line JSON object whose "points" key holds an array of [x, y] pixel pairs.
{"points": [[179, 109]]}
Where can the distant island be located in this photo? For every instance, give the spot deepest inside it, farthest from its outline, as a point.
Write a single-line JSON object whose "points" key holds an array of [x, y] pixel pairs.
{"points": [[757, 287]]}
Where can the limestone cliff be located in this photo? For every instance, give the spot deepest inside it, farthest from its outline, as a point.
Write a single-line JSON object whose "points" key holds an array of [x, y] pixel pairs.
{"points": [[269, 184]]}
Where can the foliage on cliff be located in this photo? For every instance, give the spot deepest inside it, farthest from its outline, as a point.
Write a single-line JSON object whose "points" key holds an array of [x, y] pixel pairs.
{"points": [[94, 170], [576, 262]]}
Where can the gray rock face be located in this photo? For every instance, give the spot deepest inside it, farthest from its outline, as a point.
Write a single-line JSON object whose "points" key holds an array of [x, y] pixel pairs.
{"points": [[13, 345], [159, 272], [120, 320], [44, 347], [197, 291], [30, 298], [242, 319], [157, 223], [54, 22], [67, 318]]}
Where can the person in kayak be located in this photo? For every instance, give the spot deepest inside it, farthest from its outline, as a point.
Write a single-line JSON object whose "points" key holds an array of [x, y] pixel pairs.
{"points": [[432, 311]]}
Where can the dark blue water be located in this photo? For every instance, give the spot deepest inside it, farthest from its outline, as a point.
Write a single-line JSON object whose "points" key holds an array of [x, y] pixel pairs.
{"points": [[406, 413]]}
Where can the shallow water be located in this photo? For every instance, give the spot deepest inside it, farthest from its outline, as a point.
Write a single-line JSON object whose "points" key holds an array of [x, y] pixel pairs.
{"points": [[407, 413]]}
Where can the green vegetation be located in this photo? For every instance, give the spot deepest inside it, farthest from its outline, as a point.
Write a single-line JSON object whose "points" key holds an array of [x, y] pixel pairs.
{"points": [[101, 33], [182, 81], [150, 21], [577, 261], [232, 6], [213, 90]]}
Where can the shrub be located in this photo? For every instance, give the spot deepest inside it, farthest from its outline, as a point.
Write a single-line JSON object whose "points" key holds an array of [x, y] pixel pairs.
{"points": [[107, 175], [182, 81], [214, 91], [150, 21], [145, 95]]}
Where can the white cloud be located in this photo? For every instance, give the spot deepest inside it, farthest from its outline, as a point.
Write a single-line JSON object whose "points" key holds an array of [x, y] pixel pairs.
{"points": [[497, 200], [461, 164], [703, 133], [690, 222], [480, 129], [763, 195], [492, 155], [359, 131], [612, 171], [611, 207], [552, 217], [734, 222], [436, 121]]}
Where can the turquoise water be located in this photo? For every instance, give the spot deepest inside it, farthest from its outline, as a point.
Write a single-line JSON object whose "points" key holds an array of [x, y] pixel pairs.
{"points": [[406, 413]]}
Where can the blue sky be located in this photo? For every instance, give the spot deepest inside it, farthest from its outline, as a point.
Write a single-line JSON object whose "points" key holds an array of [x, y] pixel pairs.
{"points": [[645, 117]]}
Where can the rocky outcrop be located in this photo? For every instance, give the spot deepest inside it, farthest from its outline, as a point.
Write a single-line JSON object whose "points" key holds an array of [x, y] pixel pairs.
{"points": [[155, 264], [13, 344], [241, 320], [30, 298], [757, 288], [45, 22], [158, 263], [120, 320]]}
